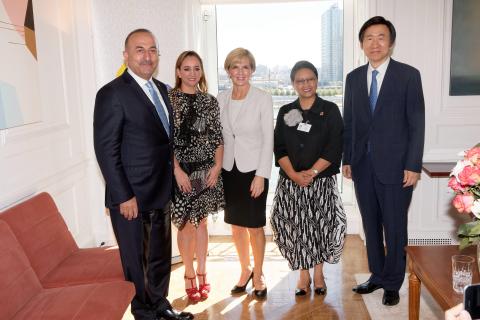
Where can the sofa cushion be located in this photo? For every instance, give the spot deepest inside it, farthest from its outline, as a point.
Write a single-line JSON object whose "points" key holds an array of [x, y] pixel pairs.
{"points": [[42, 232], [18, 282], [107, 300], [86, 266]]}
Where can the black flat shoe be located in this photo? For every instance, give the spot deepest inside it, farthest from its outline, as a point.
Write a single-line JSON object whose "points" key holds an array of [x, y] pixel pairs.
{"points": [[390, 297], [320, 291], [366, 287], [240, 289], [303, 291], [260, 293]]}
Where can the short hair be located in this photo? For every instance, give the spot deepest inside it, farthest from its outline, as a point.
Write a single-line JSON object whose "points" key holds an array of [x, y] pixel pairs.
{"points": [[202, 84], [303, 64], [237, 54], [140, 30], [378, 20]]}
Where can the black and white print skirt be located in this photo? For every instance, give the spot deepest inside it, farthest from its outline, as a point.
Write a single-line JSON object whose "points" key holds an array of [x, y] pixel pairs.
{"points": [[308, 223]]}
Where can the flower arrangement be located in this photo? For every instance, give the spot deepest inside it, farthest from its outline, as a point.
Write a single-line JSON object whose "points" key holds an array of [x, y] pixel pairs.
{"points": [[465, 182]]}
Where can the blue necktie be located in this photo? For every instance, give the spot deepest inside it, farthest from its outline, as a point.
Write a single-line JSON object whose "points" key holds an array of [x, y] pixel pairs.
{"points": [[159, 107], [373, 91]]}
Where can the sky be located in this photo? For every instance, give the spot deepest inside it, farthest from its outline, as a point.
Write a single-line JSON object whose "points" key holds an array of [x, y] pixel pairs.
{"points": [[276, 33]]}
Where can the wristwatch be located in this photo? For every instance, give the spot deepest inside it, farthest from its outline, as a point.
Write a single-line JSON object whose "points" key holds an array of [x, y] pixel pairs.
{"points": [[315, 171]]}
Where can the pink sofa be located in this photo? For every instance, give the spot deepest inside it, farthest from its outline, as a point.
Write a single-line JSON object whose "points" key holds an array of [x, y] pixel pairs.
{"points": [[44, 275]]}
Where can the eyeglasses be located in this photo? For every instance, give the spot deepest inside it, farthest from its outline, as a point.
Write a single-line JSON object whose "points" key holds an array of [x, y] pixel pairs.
{"points": [[302, 82]]}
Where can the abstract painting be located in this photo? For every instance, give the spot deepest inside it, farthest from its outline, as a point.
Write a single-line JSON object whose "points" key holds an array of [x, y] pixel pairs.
{"points": [[19, 87]]}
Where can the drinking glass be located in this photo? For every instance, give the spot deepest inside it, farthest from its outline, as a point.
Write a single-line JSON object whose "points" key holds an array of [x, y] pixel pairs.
{"points": [[461, 272]]}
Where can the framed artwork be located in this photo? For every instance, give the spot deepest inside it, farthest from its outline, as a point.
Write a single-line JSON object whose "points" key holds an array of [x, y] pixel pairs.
{"points": [[465, 48], [19, 81]]}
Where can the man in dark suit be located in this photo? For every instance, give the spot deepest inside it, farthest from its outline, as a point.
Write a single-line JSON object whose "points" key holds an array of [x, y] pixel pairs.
{"points": [[384, 116], [133, 145]]}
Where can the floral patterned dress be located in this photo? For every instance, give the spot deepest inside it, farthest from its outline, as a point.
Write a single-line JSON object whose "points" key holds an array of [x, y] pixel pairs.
{"points": [[197, 135]]}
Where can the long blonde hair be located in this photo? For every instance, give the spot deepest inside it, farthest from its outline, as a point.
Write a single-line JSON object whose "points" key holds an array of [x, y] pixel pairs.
{"points": [[202, 84]]}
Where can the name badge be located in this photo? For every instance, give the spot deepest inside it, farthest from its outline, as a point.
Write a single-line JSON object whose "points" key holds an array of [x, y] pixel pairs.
{"points": [[305, 127]]}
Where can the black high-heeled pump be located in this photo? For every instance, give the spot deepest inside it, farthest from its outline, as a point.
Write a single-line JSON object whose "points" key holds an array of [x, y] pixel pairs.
{"points": [[259, 293], [240, 289]]}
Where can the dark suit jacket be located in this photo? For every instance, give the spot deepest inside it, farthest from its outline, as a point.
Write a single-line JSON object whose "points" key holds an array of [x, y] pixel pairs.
{"points": [[133, 150], [395, 130]]}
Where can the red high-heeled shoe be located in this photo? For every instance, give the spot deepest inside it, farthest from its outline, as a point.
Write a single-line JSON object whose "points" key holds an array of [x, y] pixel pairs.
{"points": [[192, 292], [203, 288]]}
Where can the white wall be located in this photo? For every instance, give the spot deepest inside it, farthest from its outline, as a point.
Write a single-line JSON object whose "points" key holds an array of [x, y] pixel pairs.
{"points": [[80, 46], [452, 123], [174, 24], [51, 155], [171, 21]]}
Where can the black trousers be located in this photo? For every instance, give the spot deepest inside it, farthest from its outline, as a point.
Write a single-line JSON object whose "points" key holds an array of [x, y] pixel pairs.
{"points": [[384, 211], [146, 254]]}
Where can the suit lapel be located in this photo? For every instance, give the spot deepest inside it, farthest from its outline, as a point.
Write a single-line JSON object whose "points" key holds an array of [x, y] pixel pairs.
{"points": [[166, 100], [364, 91], [228, 111], [386, 86], [142, 96]]}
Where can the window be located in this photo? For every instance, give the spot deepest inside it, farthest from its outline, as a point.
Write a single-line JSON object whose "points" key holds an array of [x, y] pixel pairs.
{"points": [[278, 35]]}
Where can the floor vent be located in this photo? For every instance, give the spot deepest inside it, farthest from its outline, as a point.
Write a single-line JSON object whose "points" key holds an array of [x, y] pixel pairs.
{"points": [[429, 242]]}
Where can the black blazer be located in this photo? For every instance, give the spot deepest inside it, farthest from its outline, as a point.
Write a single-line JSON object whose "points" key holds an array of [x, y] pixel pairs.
{"points": [[133, 150], [395, 130]]}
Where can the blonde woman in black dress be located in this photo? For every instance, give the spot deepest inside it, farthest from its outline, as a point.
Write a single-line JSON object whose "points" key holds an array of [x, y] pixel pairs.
{"points": [[308, 220], [198, 149], [247, 126]]}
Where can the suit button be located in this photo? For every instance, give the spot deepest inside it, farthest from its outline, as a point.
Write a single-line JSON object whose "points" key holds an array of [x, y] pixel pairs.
{"points": [[169, 163], [301, 145]]}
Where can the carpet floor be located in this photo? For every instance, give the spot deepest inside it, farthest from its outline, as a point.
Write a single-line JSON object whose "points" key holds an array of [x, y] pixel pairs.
{"points": [[429, 309]]}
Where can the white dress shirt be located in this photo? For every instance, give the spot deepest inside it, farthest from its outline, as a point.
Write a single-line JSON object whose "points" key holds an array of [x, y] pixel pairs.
{"points": [[143, 84], [381, 74]]}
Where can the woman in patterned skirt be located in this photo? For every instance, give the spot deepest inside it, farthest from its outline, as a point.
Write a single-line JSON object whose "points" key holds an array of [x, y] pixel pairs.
{"points": [[307, 219], [198, 149]]}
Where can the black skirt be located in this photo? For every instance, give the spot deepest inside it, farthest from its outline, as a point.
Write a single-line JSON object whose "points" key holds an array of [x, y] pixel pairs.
{"points": [[240, 208]]}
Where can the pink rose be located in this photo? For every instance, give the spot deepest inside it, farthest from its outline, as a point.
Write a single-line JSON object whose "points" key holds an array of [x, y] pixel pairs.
{"points": [[455, 185], [469, 176], [473, 155], [463, 203]]}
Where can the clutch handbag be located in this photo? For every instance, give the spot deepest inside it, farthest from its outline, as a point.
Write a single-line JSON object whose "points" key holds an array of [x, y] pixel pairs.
{"points": [[198, 177]]}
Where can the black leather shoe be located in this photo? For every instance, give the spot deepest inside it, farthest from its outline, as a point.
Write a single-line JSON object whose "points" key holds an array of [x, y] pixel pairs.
{"points": [[303, 291], [320, 291], [172, 314], [240, 289], [260, 293], [390, 297], [366, 287]]}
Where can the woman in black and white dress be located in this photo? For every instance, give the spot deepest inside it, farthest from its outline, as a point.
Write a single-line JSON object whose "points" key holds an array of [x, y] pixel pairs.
{"points": [[308, 220], [198, 161]]}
